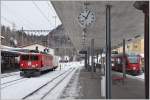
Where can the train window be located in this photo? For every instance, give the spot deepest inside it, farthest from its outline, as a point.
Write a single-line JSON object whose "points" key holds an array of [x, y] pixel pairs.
{"points": [[25, 57], [33, 57], [133, 59]]}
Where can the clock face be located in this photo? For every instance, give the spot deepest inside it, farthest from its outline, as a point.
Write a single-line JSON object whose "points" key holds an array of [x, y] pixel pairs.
{"points": [[86, 18]]}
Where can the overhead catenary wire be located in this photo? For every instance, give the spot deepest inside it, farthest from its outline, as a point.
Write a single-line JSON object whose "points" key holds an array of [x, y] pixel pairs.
{"points": [[6, 20], [10, 22], [41, 12], [51, 8], [20, 18]]}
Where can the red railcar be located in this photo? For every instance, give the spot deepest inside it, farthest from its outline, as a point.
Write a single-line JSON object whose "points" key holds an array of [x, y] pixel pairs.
{"points": [[35, 63], [133, 63]]}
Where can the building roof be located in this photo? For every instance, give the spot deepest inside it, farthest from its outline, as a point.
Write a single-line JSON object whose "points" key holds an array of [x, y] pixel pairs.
{"points": [[2, 37], [31, 44], [126, 22]]}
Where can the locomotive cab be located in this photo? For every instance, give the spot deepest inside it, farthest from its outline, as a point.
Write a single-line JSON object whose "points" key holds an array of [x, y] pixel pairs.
{"points": [[30, 64], [133, 63], [35, 63]]}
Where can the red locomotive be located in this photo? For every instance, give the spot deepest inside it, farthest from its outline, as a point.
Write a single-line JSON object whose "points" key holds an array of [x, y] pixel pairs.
{"points": [[133, 63], [35, 63]]}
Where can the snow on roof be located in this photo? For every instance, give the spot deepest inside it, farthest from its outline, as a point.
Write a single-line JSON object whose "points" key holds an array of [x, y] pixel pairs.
{"points": [[30, 45], [2, 37]]}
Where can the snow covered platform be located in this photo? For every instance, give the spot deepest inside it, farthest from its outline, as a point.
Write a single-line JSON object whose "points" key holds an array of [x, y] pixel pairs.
{"points": [[87, 85], [84, 85], [131, 88], [90, 85], [49, 85], [70, 81]]}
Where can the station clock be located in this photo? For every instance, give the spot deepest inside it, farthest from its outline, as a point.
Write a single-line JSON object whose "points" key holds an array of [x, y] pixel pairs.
{"points": [[86, 18]]}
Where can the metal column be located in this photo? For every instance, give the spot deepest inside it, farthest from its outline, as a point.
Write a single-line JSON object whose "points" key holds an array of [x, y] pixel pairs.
{"points": [[88, 58], [97, 57], [108, 52], [124, 61], [146, 50], [144, 6], [86, 61], [92, 54]]}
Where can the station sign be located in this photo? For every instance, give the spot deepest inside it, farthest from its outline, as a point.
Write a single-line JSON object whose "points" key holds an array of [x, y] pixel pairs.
{"points": [[83, 52]]}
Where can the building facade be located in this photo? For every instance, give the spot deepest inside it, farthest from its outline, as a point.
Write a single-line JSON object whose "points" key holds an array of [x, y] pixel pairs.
{"points": [[136, 46]]}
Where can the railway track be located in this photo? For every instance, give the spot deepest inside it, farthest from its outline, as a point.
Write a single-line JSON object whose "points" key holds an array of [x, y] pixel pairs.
{"points": [[10, 74], [63, 75], [13, 82]]}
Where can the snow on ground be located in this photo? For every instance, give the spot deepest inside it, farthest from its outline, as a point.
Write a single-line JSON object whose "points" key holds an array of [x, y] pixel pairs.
{"points": [[10, 78], [51, 85], [24, 88], [55, 94], [9, 74], [21, 89], [141, 76], [62, 87], [73, 88], [138, 77]]}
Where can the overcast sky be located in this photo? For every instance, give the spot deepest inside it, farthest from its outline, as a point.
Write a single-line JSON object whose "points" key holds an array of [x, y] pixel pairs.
{"points": [[29, 14]]}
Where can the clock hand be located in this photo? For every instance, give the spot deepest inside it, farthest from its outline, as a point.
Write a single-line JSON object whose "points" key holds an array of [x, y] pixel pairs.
{"points": [[84, 16], [87, 15]]}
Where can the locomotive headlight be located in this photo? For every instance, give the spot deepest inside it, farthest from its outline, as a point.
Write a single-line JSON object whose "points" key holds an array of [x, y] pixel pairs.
{"points": [[33, 66], [21, 64], [29, 63], [36, 64], [134, 68], [112, 64]]}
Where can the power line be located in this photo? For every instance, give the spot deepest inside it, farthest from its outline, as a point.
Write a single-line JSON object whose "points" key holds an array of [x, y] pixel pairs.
{"points": [[7, 20], [50, 9], [41, 12], [21, 20], [53, 11]]}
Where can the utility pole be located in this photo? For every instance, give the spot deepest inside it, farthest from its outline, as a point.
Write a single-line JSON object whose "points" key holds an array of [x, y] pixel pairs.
{"points": [[13, 27], [48, 40], [55, 17], [22, 36]]}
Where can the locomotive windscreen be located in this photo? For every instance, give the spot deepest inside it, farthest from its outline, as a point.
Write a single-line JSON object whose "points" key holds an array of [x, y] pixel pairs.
{"points": [[133, 59], [31, 57], [25, 57]]}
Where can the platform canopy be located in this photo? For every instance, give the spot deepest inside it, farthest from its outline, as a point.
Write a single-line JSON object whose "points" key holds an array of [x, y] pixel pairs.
{"points": [[126, 21]]}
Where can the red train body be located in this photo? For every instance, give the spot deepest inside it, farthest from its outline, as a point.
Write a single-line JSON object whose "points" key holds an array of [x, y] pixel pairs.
{"points": [[133, 63], [35, 63]]}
